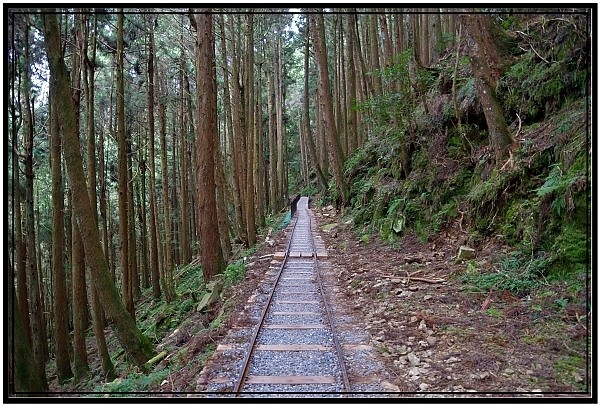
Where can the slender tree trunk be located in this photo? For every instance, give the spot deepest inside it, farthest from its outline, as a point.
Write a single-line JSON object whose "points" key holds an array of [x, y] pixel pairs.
{"points": [[230, 130], [142, 213], [223, 221], [281, 190], [19, 241], [351, 116], [257, 160], [162, 124], [183, 202], [308, 137], [154, 268], [123, 178], [26, 376], [174, 198], [97, 312], [80, 322], [425, 40], [133, 274], [59, 285], [206, 93], [273, 182], [238, 137], [335, 152], [190, 156], [251, 136], [39, 344], [132, 340]]}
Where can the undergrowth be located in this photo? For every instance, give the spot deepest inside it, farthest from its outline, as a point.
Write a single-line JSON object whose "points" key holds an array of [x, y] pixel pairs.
{"points": [[538, 203]]}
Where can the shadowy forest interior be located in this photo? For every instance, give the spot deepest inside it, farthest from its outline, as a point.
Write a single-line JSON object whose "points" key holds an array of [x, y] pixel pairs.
{"points": [[151, 152]]}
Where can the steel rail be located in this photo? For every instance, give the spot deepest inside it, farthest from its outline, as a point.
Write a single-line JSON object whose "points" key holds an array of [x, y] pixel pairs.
{"points": [[336, 343], [246, 363]]}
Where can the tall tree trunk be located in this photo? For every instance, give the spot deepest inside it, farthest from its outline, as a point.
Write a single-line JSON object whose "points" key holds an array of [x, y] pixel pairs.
{"points": [[175, 246], [335, 152], [183, 202], [221, 187], [168, 257], [351, 99], [131, 338], [374, 54], [142, 213], [238, 126], [206, 93], [308, 137], [273, 182], [97, 312], [132, 264], [154, 268], [424, 40], [258, 161], [190, 156], [230, 131], [59, 285], [251, 136], [26, 376], [38, 332], [19, 241], [123, 178], [483, 57], [281, 190], [80, 310]]}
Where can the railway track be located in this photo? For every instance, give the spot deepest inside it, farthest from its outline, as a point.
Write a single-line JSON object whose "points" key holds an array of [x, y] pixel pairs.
{"points": [[293, 339], [295, 331]]}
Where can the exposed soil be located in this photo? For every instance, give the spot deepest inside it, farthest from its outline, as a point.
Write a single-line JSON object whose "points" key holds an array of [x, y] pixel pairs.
{"points": [[435, 336]]}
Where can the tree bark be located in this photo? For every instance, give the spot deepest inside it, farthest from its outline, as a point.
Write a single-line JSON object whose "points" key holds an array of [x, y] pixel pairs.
{"points": [[168, 252], [238, 126], [308, 137], [23, 373], [335, 153], [206, 93], [483, 55], [273, 182], [154, 268], [281, 190], [80, 311], [123, 178], [250, 135], [59, 285], [38, 333], [351, 99], [183, 201]]}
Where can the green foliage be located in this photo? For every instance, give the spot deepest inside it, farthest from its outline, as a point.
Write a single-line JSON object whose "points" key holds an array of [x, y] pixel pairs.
{"points": [[309, 190], [557, 183], [135, 382], [157, 318], [517, 273], [571, 369], [518, 222], [541, 81], [571, 251], [235, 271]]}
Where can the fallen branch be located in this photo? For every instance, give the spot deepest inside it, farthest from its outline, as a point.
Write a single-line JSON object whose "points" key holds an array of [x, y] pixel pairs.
{"points": [[427, 280], [155, 360]]}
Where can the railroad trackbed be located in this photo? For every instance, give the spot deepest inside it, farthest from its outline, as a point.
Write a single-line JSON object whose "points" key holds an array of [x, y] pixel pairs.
{"points": [[296, 339]]}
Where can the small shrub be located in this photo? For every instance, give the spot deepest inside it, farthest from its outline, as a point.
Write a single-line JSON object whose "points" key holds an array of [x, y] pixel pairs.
{"points": [[235, 271]]}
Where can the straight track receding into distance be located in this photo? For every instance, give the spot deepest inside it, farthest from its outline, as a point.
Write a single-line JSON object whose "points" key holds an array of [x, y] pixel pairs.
{"points": [[294, 347]]}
